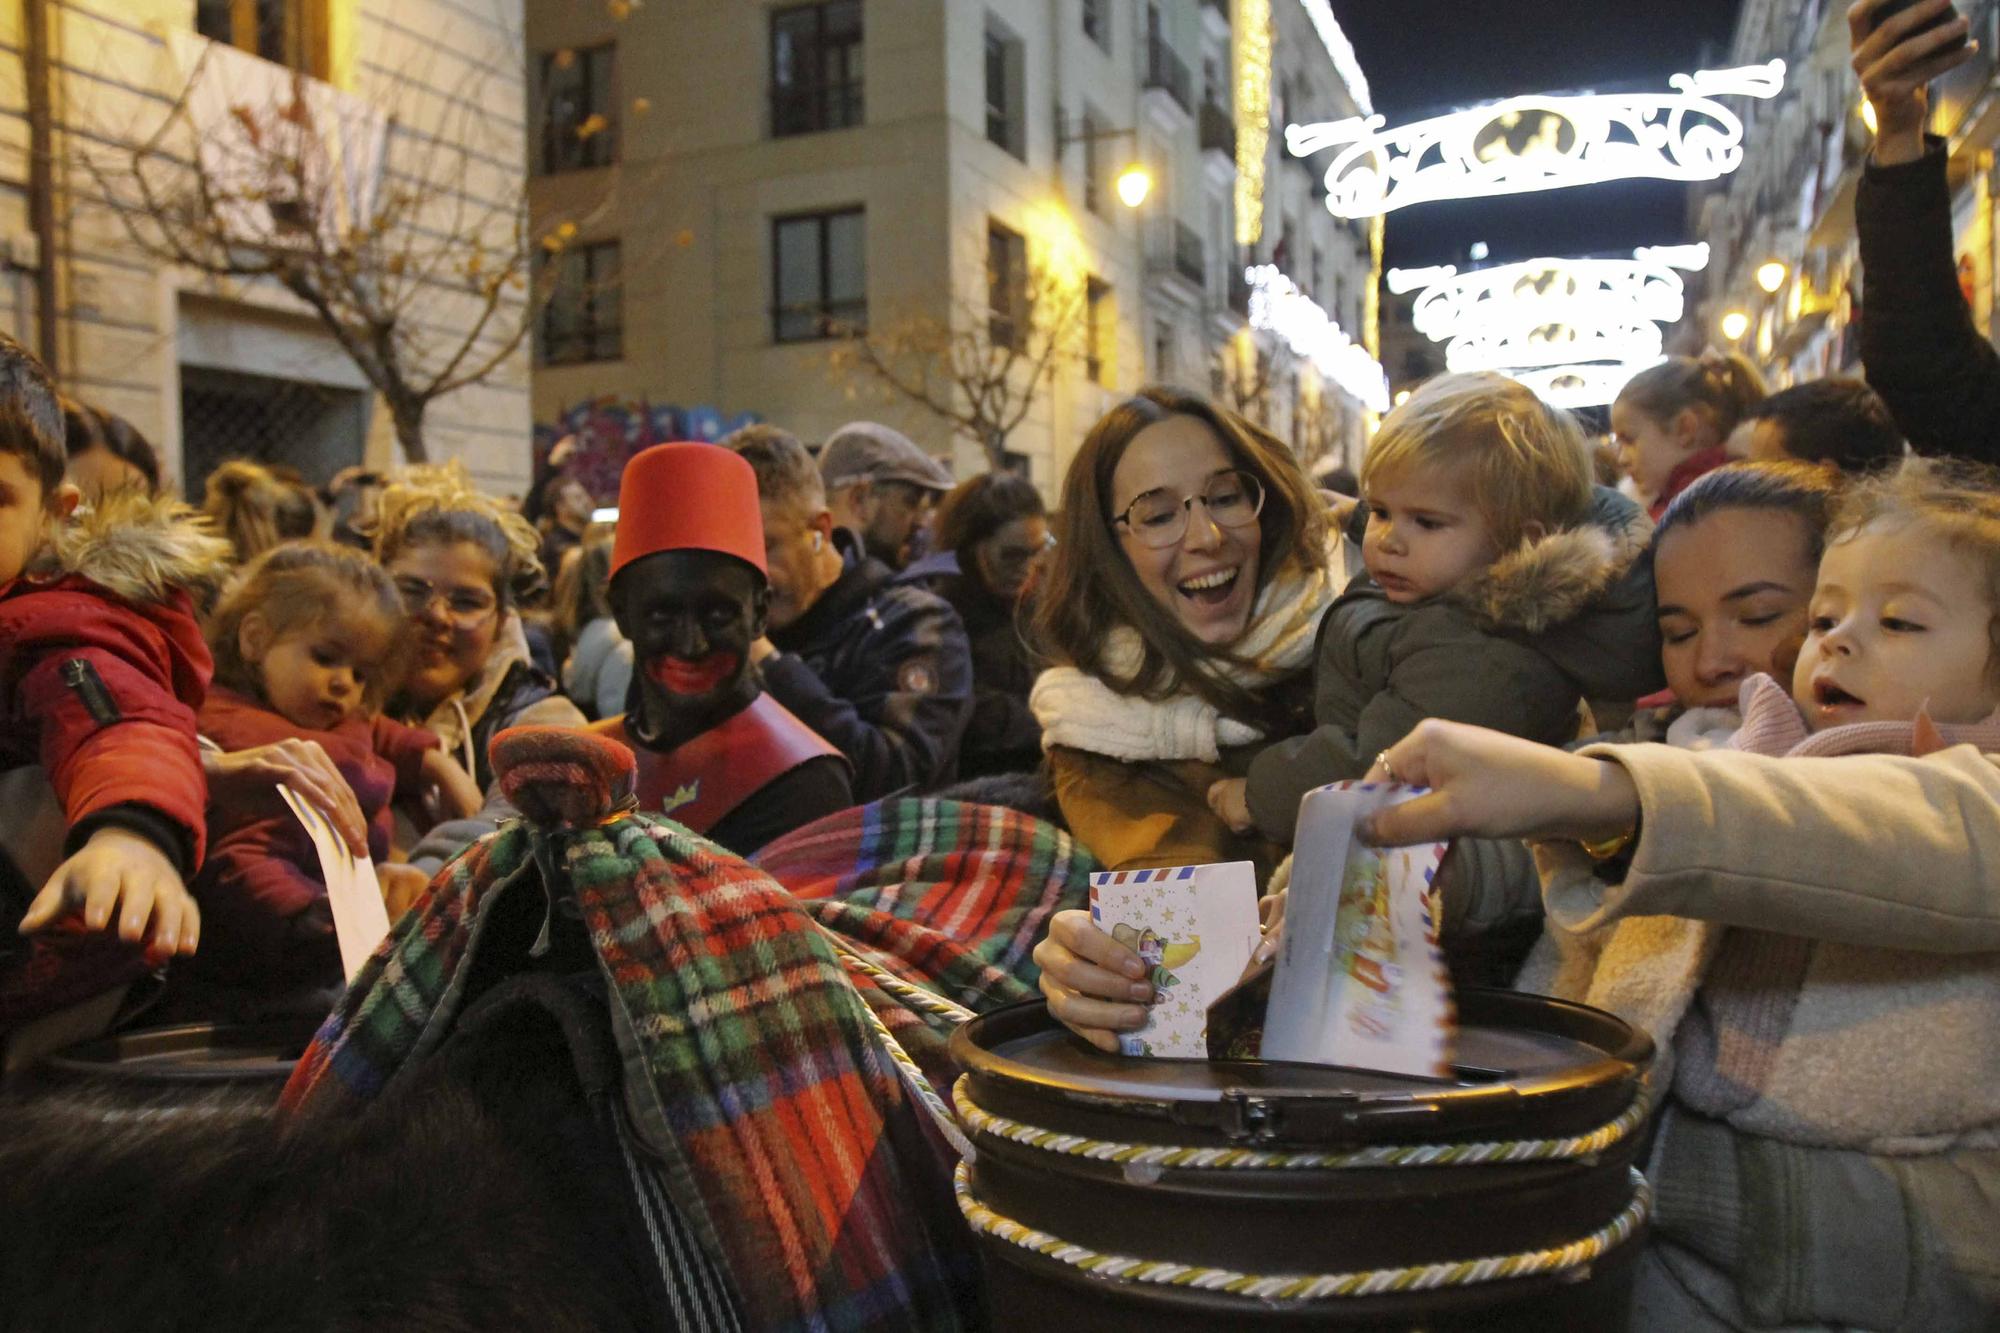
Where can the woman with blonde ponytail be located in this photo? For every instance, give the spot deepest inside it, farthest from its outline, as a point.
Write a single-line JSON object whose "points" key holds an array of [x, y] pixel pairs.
{"points": [[1670, 421]]}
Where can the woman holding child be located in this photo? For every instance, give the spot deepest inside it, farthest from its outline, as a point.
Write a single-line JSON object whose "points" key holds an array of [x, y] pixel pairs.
{"points": [[1192, 565]]}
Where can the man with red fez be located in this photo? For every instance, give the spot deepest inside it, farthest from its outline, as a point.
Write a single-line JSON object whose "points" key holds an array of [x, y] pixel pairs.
{"points": [[690, 591]]}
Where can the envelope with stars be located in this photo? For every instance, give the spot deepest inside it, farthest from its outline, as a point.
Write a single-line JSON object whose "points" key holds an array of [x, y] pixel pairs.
{"points": [[1195, 927]]}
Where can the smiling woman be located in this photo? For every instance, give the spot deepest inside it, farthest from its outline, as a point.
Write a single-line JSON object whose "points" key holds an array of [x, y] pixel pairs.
{"points": [[1193, 562]]}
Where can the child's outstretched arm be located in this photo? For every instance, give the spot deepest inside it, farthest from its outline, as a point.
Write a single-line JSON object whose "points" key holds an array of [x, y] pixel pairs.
{"points": [[119, 880]]}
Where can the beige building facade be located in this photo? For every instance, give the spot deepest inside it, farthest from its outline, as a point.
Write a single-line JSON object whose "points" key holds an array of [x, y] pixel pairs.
{"points": [[771, 174], [208, 367]]}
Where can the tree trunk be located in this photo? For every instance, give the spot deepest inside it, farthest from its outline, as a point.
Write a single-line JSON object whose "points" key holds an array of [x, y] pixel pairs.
{"points": [[994, 441], [408, 414]]}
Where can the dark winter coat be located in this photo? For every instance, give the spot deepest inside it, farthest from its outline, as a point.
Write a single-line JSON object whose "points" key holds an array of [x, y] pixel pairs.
{"points": [[1919, 347], [1003, 736], [883, 671], [1515, 649]]}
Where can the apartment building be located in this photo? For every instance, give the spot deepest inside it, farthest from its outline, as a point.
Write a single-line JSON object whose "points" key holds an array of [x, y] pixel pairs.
{"points": [[760, 180]]}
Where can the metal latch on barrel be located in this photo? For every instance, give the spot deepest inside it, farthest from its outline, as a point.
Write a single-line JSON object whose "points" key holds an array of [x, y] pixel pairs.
{"points": [[1248, 1116]]}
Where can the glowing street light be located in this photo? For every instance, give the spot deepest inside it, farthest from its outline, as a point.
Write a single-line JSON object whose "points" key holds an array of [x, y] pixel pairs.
{"points": [[1734, 325], [1771, 275], [1134, 183]]}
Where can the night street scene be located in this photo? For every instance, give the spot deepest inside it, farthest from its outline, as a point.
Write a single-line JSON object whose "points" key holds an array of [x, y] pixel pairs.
{"points": [[804, 666]]}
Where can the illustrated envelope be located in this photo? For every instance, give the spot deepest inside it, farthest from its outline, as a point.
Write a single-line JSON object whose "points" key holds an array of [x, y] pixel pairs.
{"points": [[1360, 979], [1196, 927]]}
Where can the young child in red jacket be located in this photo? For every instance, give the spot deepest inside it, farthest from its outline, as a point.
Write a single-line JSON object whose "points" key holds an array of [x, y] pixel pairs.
{"points": [[102, 667], [307, 644]]}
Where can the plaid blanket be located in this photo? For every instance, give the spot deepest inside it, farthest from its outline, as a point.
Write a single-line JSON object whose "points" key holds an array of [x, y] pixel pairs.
{"points": [[946, 895], [790, 1144]]}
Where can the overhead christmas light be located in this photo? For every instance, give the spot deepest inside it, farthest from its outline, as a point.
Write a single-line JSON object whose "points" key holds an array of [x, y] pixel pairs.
{"points": [[1541, 142], [1771, 275], [1554, 344], [1533, 292], [1277, 304], [1734, 325], [1578, 386]]}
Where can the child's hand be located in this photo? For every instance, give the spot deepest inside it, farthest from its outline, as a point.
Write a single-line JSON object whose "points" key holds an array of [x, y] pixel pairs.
{"points": [[119, 873], [1230, 800], [401, 887], [458, 796], [249, 779]]}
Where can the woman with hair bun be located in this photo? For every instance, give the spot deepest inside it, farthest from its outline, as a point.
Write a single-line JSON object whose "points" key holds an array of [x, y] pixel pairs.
{"points": [[1671, 422], [256, 509]]}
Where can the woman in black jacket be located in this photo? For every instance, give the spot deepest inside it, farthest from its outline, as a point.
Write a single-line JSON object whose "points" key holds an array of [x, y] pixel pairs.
{"points": [[992, 537]]}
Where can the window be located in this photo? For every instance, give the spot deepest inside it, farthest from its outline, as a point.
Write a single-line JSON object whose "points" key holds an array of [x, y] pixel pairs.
{"points": [[1006, 286], [1096, 327], [584, 319], [815, 67], [1097, 23], [1318, 274], [292, 33], [1005, 125], [578, 107], [819, 275], [1163, 351]]}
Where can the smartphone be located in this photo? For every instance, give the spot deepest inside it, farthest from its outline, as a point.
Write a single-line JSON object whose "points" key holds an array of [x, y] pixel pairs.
{"points": [[1890, 8]]}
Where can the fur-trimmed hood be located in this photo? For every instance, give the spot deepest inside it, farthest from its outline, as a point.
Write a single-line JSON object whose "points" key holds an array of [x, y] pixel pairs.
{"points": [[138, 547], [1546, 582]]}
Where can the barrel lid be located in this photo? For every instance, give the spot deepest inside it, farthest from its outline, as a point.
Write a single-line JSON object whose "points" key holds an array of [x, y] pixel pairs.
{"points": [[1526, 1066]]}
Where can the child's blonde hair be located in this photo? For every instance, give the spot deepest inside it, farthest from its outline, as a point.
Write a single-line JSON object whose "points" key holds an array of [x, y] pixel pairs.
{"points": [[1530, 465], [438, 505], [256, 509], [1956, 502], [298, 585]]}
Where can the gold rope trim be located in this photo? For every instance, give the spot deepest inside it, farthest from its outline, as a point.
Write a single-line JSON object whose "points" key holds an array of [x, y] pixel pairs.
{"points": [[1310, 1286], [1411, 1154]]}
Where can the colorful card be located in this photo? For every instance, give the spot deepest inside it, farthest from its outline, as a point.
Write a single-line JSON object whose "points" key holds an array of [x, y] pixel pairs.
{"points": [[1360, 979], [360, 918], [1195, 926]]}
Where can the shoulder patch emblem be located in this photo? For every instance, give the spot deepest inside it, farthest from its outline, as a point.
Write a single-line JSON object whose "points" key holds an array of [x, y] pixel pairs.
{"points": [[686, 794]]}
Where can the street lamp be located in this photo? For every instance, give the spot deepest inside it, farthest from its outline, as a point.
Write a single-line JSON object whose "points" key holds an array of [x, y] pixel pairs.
{"points": [[1134, 183], [1734, 325], [1771, 275]]}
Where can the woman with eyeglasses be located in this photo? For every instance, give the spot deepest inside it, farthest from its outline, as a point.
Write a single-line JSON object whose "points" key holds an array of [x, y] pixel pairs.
{"points": [[993, 539], [459, 560], [1192, 565]]}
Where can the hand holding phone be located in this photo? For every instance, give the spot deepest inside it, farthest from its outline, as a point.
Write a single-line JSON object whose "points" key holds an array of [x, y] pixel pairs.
{"points": [[1898, 47], [1888, 9]]}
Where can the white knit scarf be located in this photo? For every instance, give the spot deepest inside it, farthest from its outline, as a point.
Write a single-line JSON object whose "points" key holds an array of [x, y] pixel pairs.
{"points": [[1082, 712]]}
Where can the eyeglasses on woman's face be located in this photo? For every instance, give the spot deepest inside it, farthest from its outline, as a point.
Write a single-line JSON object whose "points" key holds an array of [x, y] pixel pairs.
{"points": [[465, 608], [1159, 519]]}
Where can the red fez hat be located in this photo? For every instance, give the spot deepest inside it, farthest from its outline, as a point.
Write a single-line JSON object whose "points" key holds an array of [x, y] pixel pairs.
{"points": [[688, 497]]}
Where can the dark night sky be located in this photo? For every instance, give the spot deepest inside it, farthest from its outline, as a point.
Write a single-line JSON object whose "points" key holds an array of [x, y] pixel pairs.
{"points": [[1423, 57]]}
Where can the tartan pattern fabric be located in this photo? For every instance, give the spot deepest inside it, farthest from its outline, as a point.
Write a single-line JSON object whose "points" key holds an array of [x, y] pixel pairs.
{"points": [[947, 895], [751, 1071]]}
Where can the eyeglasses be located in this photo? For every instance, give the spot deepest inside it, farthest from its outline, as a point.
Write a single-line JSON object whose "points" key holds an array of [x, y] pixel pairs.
{"points": [[1014, 557], [1233, 499], [463, 608]]}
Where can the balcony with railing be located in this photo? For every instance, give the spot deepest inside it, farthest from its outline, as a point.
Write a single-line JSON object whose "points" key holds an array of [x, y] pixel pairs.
{"points": [[1166, 72], [1217, 130]]}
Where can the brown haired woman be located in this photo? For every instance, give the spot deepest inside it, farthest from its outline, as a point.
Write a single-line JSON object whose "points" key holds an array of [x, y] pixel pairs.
{"points": [[1192, 565]]}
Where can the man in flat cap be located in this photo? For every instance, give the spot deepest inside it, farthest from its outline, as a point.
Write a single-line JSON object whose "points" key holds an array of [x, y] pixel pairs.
{"points": [[881, 669], [883, 488]]}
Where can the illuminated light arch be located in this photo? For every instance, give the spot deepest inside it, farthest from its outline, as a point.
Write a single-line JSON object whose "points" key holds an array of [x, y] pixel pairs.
{"points": [[1540, 142], [1574, 386], [1555, 343], [1277, 305], [1543, 291]]}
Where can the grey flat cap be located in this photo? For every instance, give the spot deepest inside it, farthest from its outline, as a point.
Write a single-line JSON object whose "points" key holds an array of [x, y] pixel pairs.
{"points": [[870, 451]]}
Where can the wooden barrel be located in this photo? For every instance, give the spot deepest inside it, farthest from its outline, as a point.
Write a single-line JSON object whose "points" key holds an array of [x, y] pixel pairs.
{"points": [[1112, 1192]]}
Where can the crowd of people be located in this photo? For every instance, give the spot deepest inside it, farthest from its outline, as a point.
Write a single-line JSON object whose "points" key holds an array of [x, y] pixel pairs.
{"points": [[1711, 742]]}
